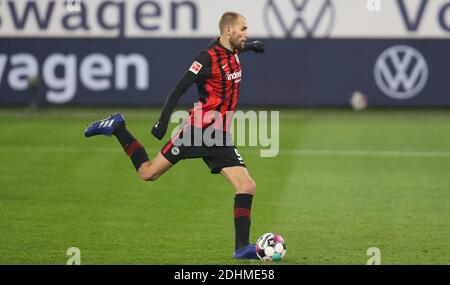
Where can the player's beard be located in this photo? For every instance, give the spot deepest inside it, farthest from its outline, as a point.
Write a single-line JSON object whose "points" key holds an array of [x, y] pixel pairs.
{"points": [[237, 43]]}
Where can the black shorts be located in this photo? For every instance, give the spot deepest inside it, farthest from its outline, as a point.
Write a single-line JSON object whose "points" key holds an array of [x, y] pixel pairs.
{"points": [[216, 156]]}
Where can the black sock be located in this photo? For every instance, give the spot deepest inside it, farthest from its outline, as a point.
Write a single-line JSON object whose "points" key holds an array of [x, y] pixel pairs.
{"points": [[242, 209], [130, 145]]}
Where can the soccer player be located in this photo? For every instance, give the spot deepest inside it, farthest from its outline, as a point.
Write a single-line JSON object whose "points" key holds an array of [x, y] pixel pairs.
{"points": [[217, 73]]}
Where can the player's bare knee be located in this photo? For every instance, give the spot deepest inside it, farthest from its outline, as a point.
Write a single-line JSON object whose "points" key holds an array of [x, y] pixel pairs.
{"points": [[248, 187]]}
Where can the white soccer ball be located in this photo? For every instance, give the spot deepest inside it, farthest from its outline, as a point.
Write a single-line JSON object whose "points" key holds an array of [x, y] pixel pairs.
{"points": [[358, 101], [270, 247]]}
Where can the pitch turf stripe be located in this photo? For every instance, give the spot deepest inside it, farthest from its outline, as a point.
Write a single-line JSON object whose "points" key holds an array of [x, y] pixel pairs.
{"points": [[256, 150]]}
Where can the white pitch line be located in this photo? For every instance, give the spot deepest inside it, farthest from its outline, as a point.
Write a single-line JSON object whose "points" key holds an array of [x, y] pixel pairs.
{"points": [[299, 152], [386, 153]]}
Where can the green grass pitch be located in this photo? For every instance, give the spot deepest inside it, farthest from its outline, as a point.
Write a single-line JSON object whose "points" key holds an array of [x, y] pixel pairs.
{"points": [[343, 182]]}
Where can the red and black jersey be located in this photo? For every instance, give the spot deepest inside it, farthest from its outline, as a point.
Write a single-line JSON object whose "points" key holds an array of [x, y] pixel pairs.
{"points": [[217, 73], [218, 86]]}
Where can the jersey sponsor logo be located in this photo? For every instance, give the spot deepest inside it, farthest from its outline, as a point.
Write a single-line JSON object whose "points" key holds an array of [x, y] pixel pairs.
{"points": [[225, 65], [235, 75], [195, 67]]}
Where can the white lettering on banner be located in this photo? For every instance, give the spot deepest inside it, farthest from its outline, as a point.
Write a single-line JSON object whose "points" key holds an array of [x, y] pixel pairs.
{"points": [[60, 73], [25, 67], [198, 18], [62, 89], [95, 72], [123, 63], [2, 66]]}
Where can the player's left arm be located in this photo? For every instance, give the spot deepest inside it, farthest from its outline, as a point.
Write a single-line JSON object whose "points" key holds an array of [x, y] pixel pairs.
{"points": [[255, 46]]}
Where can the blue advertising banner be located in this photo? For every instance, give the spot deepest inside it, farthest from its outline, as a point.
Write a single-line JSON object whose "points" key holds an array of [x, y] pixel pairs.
{"points": [[292, 72]]}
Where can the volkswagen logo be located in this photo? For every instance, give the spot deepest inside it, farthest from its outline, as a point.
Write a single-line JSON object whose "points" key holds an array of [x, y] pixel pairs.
{"points": [[401, 72], [299, 19]]}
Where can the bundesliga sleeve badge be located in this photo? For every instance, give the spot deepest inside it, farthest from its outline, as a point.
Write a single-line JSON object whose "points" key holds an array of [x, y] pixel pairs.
{"points": [[195, 67]]}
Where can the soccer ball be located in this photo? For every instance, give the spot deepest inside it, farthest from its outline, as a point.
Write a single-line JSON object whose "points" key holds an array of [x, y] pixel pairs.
{"points": [[270, 247], [358, 101]]}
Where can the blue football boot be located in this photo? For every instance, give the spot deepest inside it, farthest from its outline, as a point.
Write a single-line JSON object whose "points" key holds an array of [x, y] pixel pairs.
{"points": [[105, 126], [247, 252]]}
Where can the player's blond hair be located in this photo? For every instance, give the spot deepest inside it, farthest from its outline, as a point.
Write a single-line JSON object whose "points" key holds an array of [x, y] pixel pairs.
{"points": [[227, 19]]}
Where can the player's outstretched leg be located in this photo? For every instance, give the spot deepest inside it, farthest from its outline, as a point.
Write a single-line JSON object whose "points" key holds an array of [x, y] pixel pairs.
{"points": [[149, 170], [245, 188]]}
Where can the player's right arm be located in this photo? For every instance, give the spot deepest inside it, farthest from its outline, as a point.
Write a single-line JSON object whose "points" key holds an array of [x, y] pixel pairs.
{"points": [[200, 69]]}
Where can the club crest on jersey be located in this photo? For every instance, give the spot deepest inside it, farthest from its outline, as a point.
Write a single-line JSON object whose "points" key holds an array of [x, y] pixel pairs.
{"points": [[195, 67]]}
